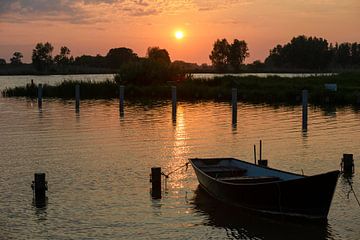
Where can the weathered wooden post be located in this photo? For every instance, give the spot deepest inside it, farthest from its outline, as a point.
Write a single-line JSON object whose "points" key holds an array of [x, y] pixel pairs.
{"points": [[261, 161], [40, 95], [77, 97], [254, 153], [156, 182], [234, 105], [173, 96], [304, 109], [121, 97], [347, 164], [39, 186]]}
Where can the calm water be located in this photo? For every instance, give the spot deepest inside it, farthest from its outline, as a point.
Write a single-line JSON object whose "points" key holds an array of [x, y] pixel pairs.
{"points": [[98, 163]]}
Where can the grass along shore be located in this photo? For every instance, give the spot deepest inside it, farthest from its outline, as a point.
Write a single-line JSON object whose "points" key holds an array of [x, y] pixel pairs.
{"points": [[271, 90]]}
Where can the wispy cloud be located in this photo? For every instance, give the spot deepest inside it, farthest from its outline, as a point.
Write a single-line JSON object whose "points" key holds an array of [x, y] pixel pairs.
{"points": [[87, 11]]}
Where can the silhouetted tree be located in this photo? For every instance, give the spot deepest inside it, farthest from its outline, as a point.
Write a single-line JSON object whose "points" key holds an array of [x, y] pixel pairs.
{"points": [[118, 56], [16, 58], [64, 57], [301, 53], [237, 54], [225, 56], [275, 57], [42, 56], [154, 69], [158, 55], [255, 66], [355, 54], [185, 66], [343, 54], [97, 61], [2, 61], [220, 54]]}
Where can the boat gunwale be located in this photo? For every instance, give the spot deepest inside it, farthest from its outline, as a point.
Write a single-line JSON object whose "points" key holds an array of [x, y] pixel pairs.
{"points": [[251, 164], [316, 217]]}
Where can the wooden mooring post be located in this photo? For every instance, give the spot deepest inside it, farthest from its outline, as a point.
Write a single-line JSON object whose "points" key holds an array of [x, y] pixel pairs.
{"points": [[254, 153], [304, 110], [40, 95], [77, 97], [261, 161], [347, 164], [234, 105], [156, 182], [121, 99], [39, 187], [174, 99]]}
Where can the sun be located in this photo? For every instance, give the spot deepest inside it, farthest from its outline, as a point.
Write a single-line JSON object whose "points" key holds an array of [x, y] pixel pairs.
{"points": [[179, 35]]}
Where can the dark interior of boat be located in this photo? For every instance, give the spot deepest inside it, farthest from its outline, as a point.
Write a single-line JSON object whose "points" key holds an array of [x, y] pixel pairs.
{"points": [[235, 175]]}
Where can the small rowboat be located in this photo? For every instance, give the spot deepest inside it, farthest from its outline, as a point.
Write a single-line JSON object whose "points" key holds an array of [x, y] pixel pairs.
{"points": [[266, 190]]}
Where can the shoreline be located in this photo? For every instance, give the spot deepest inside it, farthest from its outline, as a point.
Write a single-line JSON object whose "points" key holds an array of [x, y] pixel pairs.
{"points": [[273, 90]]}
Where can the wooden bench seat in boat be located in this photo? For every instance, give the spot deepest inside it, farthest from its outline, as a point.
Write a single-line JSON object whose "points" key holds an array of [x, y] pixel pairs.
{"points": [[249, 179], [222, 171]]}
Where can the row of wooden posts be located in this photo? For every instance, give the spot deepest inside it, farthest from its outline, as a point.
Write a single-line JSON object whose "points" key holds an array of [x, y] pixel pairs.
{"points": [[39, 185], [174, 102]]}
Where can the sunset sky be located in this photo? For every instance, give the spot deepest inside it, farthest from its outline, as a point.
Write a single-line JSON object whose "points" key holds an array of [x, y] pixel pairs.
{"points": [[94, 26]]}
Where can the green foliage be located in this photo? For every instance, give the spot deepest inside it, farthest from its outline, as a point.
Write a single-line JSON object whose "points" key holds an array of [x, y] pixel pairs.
{"points": [[16, 58], [2, 61], [42, 56]]}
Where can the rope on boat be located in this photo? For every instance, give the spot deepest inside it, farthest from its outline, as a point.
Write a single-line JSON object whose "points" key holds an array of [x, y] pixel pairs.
{"points": [[352, 190], [177, 169]]}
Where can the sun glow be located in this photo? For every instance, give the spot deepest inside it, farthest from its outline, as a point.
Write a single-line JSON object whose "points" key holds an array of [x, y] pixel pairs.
{"points": [[179, 35]]}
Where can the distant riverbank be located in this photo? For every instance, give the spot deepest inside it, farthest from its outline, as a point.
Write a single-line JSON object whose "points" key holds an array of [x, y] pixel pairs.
{"points": [[270, 89], [29, 69]]}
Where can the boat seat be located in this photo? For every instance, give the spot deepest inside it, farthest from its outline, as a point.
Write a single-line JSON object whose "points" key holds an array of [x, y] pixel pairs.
{"points": [[219, 172], [248, 179]]}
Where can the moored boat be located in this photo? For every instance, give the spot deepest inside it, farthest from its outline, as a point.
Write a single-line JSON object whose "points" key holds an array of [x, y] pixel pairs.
{"points": [[267, 190]]}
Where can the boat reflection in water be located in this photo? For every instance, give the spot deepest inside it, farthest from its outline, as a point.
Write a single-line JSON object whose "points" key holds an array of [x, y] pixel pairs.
{"points": [[241, 224]]}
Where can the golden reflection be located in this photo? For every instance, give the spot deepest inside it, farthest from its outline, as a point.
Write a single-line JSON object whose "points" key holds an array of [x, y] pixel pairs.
{"points": [[180, 151]]}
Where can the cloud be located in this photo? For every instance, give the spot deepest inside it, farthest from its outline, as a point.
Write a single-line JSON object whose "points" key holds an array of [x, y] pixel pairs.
{"points": [[92, 11], [211, 5]]}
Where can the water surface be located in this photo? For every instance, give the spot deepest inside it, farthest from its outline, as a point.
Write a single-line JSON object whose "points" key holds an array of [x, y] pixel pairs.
{"points": [[98, 164]]}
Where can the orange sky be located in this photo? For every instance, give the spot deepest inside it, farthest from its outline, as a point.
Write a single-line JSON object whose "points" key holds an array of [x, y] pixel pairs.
{"points": [[94, 26]]}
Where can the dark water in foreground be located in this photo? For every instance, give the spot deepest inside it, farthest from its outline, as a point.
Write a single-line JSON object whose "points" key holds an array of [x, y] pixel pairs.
{"points": [[98, 165]]}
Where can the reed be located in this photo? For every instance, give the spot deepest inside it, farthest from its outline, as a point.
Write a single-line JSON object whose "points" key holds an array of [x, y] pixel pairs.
{"points": [[272, 90]]}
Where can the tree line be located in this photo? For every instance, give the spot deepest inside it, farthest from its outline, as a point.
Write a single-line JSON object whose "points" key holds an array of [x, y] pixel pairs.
{"points": [[44, 61], [302, 53], [314, 53]]}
